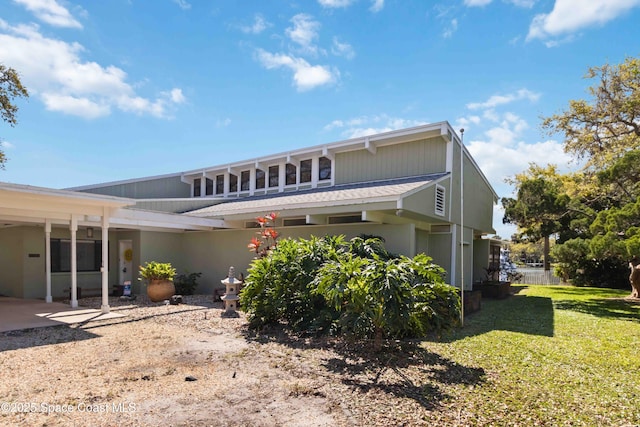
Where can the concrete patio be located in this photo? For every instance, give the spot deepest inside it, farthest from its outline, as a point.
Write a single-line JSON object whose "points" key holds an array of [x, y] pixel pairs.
{"points": [[16, 314]]}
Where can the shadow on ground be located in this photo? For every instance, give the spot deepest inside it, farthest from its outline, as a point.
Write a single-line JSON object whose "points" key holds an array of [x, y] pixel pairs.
{"points": [[610, 308], [403, 369], [525, 314], [14, 340]]}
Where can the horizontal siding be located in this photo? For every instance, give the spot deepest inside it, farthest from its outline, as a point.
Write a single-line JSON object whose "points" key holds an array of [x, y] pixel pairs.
{"points": [[393, 161], [171, 187]]}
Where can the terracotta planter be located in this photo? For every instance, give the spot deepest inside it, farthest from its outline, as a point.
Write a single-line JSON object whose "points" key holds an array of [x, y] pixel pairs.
{"points": [[160, 290]]}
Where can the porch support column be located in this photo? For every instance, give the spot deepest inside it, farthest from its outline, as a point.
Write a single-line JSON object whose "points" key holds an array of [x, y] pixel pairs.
{"points": [[47, 258], [73, 227], [104, 268]]}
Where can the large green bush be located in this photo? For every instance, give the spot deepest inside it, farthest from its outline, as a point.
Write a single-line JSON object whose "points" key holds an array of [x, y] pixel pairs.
{"points": [[354, 287]]}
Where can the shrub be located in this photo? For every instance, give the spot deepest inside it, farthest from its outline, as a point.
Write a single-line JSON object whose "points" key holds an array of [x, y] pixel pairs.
{"points": [[354, 287], [186, 283]]}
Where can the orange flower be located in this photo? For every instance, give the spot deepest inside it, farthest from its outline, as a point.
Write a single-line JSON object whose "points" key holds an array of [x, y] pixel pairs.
{"points": [[262, 220], [272, 216], [254, 245]]}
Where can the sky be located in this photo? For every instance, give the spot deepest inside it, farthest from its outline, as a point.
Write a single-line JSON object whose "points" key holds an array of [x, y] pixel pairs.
{"points": [[123, 89]]}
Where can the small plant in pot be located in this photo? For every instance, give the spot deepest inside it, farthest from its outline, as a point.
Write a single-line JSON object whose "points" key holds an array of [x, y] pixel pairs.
{"points": [[159, 277]]}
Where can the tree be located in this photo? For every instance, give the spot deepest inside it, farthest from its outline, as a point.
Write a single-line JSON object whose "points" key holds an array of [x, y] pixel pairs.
{"points": [[604, 129], [539, 206], [599, 230], [10, 89]]}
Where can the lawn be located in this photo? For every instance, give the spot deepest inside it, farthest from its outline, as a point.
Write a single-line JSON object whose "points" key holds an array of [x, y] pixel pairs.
{"points": [[551, 355]]}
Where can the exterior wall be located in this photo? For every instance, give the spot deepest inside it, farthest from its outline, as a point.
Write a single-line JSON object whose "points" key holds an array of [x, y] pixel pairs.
{"points": [[160, 247], [478, 200], [480, 259], [213, 252], [393, 161], [424, 202], [169, 187], [478, 197], [11, 257], [440, 251]]}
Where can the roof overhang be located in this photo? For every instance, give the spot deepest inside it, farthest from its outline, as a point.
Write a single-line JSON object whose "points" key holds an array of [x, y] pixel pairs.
{"points": [[24, 204]]}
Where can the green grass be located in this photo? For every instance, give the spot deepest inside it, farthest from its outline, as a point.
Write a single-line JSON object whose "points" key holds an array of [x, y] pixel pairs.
{"points": [[551, 355]]}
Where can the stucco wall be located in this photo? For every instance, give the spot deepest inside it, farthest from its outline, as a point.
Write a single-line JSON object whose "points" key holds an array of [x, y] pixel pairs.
{"points": [[11, 257], [213, 252]]}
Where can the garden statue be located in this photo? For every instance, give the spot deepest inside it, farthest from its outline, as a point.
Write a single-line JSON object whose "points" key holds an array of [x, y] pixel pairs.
{"points": [[634, 277]]}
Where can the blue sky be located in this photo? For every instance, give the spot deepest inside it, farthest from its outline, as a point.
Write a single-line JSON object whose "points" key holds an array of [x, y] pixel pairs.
{"points": [[129, 88]]}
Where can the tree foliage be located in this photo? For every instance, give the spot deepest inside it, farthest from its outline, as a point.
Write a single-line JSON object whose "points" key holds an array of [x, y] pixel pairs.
{"points": [[595, 212], [351, 287], [10, 89]]}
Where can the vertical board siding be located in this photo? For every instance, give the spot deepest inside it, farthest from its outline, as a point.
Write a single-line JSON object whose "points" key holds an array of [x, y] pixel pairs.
{"points": [[170, 187], [394, 161]]}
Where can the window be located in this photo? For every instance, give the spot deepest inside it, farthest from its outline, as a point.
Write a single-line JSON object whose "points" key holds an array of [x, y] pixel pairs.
{"points": [[219, 184], [245, 177], [209, 187], [324, 170], [305, 171], [259, 178], [274, 176], [196, 187], [290, 173], [440, 193], [233, 183], [89, 255]]}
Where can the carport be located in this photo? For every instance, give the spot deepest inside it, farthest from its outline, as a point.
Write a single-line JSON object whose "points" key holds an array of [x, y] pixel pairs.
{"points": [[37, 210], [24, 204]]}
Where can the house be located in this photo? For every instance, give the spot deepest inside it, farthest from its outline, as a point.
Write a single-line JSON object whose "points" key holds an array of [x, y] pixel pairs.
{"points": [[403, 185]]}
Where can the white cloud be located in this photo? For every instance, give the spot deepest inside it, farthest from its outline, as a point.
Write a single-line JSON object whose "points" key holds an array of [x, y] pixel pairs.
{"points": [[333, 4], [370, 125], [75, 106], [183, 4], [376, 6], [54, 71], [569, 16], [258, 26], [497, 100], [342, 49], [452, 28], [305, 75], [304, 32], [474, 3], [51, 12], [6, 145]]}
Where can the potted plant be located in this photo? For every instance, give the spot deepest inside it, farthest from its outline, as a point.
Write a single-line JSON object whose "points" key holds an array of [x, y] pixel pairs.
{"points": [[159, 277]]}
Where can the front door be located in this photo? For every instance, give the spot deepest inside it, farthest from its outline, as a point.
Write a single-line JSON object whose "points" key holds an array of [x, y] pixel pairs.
{"points": [[126, 261]]}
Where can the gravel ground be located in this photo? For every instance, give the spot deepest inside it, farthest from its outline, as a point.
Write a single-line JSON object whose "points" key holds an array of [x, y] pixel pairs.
{"points": [[187, 365]]}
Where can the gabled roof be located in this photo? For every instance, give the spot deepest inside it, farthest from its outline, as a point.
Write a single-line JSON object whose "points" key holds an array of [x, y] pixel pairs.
{"points": [[391, 190]]}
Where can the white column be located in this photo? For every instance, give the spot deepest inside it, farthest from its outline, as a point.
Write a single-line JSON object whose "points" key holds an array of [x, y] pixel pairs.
{"points": [[73, 227], [47, 258], [203, 185], [104, 268]]}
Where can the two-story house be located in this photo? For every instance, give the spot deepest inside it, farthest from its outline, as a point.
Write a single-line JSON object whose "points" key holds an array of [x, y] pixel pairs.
{"points": [[418, 188]]}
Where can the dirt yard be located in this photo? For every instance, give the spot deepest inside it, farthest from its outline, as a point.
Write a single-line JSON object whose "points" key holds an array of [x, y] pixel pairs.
{"points": [[186, 365]]}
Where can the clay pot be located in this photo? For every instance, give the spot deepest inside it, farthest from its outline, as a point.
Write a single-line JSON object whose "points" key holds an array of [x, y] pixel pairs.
{"points": [[160, 290]]}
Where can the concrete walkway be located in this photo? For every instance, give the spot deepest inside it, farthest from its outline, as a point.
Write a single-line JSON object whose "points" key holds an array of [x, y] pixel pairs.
{"points": [[16, 314]]}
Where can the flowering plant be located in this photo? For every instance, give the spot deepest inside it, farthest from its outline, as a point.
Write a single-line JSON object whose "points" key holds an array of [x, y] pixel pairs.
{"points": [[268, 236]]}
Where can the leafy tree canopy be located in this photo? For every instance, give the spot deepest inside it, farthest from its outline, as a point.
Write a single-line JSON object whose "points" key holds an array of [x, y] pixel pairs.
{"points": [[10, 89], [595, 212]]}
